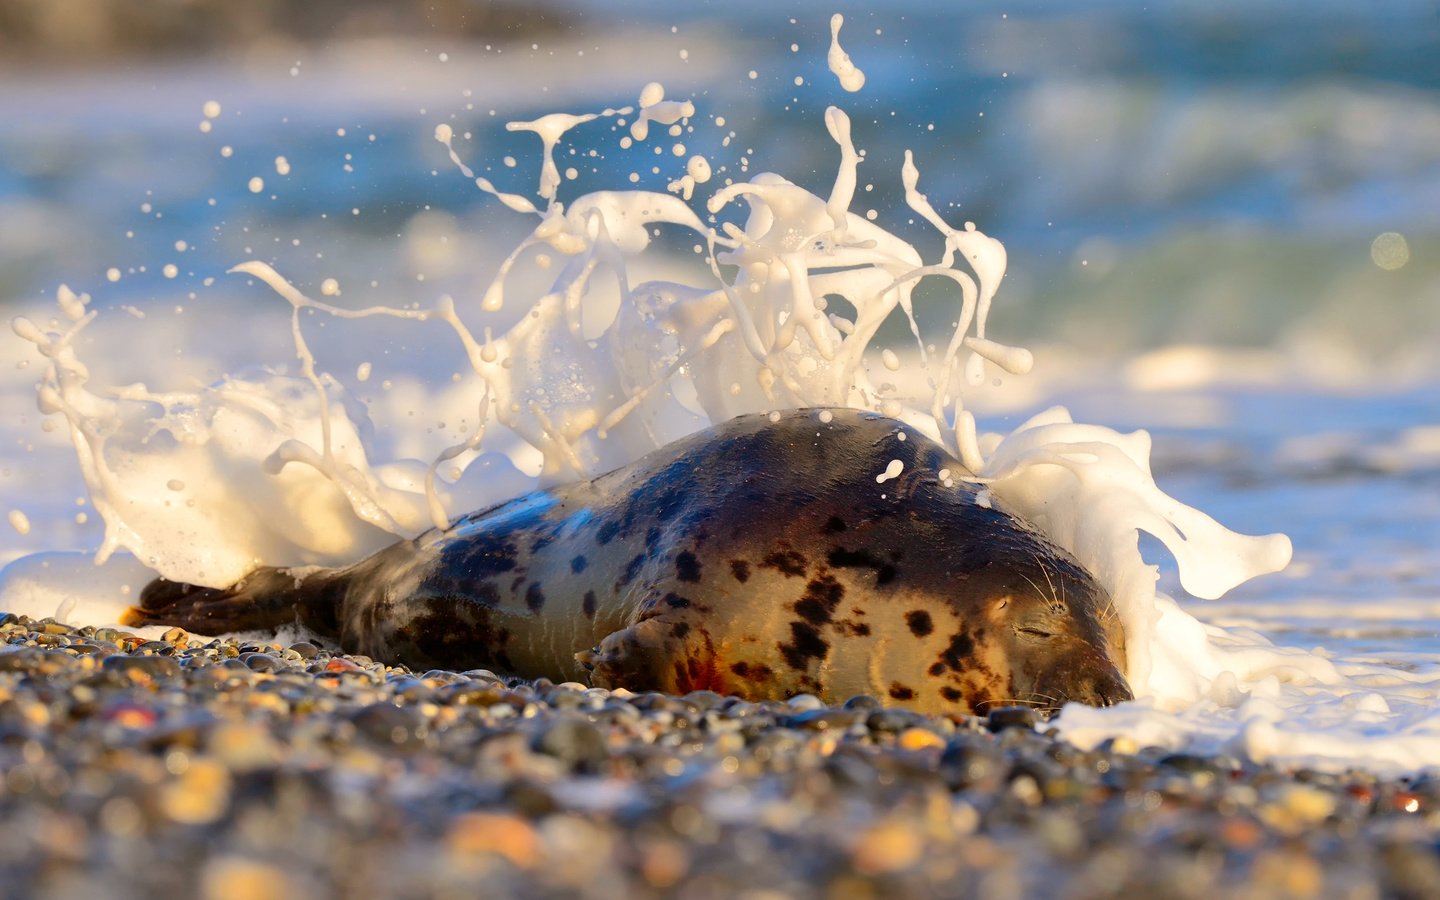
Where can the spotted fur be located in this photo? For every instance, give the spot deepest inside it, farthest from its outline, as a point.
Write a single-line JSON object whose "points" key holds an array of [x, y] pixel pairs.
{"points": [[759, 558]]}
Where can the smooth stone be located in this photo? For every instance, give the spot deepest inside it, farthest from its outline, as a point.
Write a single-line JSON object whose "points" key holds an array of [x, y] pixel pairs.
{"points": [[572, 740], [143, 666], [263, 662], [397, 726], [805, 702], [1012, 717]]}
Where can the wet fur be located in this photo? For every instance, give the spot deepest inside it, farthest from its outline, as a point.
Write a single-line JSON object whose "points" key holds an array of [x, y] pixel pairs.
{"points": [[757, 558]]}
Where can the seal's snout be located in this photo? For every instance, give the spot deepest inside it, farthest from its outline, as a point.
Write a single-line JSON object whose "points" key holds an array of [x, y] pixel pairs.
{"points": [[1095, 681], [1106, 690], [1085, 677]]}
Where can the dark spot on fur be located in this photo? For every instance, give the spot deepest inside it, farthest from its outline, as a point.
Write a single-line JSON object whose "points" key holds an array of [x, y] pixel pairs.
{"points": [[535, 597], [786, 562], [587, 604], [578, 564], [740, 569], [452, 632], [515, 584], [812, 611], [841, 558], [961, 648], [900, 692], [827, 589], [919, 622], [687, 567], [833, 525], [659, 500], [806, 644], [480, 555], [937, 668], [859, 629], [680, 629], [541, 542], [607, 532], [822, 597], [949, 693], [753, 672], [675, 601], [632, 568]]}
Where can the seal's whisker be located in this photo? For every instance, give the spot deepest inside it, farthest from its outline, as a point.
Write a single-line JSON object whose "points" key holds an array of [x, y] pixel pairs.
{"points": [[1109, 615], [1046, 703], [1040, 561], [1031, 582], [1057, 598], [1008, 701]]}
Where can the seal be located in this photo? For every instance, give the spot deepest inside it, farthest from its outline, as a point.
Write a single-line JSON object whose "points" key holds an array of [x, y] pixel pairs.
{"points": [[825, 551]]}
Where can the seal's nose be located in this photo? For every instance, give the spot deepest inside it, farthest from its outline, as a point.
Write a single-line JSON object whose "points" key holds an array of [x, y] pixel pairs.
{"points": [[1106, 689], [1083, 675]]}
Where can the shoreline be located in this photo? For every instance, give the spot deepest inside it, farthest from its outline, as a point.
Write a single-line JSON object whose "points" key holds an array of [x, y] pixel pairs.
{"points": [[241, 768]]}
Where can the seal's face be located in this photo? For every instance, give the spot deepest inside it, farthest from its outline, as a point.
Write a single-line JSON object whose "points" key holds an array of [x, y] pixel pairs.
{"points": [[1062, 637]]}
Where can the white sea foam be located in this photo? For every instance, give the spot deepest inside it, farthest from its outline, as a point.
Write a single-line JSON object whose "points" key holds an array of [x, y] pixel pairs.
{"points": [[286, 469]]}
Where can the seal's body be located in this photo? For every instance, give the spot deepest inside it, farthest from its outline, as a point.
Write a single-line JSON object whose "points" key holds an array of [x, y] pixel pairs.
{"points": [[815, 551]]}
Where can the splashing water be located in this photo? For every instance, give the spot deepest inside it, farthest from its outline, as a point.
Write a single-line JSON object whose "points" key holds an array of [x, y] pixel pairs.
{"points": [[204, 485]]}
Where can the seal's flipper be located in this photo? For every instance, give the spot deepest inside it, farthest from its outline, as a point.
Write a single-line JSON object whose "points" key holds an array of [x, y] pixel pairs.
{"points": [[264, 600], [665, 653]]}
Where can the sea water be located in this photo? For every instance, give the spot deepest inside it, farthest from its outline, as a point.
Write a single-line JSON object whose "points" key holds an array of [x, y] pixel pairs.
{"points": [[690, 282]]}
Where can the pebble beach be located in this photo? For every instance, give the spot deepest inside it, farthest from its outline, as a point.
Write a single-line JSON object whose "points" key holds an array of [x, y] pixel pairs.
{"points": [[229, 768]]}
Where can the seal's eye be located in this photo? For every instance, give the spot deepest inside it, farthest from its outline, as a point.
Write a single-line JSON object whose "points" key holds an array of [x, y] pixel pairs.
{"points": [[1037, 633]]}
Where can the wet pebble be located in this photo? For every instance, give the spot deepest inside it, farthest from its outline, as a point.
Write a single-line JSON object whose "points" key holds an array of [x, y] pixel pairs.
{"points": [[395, 726], [1012, 717], [572, 740], [145, 668]]}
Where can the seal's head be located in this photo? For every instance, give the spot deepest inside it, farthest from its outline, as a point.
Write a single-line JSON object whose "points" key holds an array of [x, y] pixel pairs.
{"points": [[1059, 631]]}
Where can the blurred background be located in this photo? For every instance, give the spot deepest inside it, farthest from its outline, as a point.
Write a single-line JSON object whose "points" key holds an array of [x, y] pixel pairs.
{"points": [[1256, 176]]}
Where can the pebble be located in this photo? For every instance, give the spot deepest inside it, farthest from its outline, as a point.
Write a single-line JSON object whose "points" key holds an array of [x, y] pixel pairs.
{"points": [[571, 740], [505, 835], [231, 769], [1012, 717], [199, 795], [920, 739], [239, 878], [402, 727], [143, 668], [244, 746]]}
